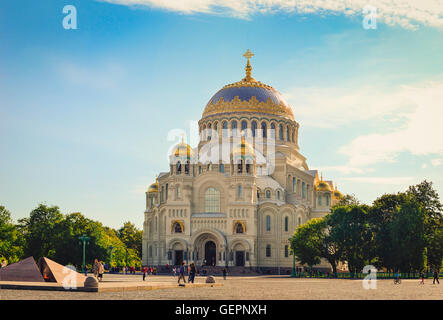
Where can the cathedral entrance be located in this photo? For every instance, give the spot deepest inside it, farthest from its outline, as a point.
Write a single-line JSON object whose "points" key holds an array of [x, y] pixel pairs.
{"points": [[178, 257], [240, 258], [210, 253]]}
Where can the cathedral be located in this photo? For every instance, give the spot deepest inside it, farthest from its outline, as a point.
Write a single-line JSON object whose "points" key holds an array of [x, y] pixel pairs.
{"points": [[237, 198]]}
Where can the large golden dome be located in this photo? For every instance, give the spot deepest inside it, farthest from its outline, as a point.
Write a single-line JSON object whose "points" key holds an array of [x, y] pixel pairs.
{"points": [[248, 96]]}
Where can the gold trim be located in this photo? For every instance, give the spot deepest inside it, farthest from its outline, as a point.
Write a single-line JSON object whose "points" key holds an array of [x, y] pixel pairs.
{"points": [[180, 222], [243, 223]]}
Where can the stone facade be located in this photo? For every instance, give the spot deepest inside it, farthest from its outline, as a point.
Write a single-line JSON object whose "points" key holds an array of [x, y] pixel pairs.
{"points": [[237, 198]]}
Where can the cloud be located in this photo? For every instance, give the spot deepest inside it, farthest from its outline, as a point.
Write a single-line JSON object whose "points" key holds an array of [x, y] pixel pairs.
{"points": [[437, 162], [333, 107], [381, 180], [420, 135], [405, 13], [343, 169]]}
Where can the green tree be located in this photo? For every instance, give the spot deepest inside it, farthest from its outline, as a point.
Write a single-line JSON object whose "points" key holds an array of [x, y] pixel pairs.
{"points": [[42, 231], [131, 237], [347, 200], [351, 229], [11, 240], [407, 234], [306, 243]]}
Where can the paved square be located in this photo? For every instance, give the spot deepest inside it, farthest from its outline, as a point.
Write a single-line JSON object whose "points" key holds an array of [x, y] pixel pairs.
{"points": [[262, 287]]}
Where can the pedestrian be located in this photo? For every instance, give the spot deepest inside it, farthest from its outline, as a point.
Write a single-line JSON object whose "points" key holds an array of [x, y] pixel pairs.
{"points": [[422, 276], [182, 273], [145, 271], [101, 270], [435, 277], [174, 271], [224, 273], [192, 272], [4, 264], [95, 268]]}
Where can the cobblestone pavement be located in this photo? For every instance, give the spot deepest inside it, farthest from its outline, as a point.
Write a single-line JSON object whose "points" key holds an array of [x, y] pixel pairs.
{"points": [[263, 287]]}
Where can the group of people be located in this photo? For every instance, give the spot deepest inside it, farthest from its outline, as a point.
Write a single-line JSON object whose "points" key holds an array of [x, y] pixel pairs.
{"points": [[422, 276], [192, 270], [98, 269]]}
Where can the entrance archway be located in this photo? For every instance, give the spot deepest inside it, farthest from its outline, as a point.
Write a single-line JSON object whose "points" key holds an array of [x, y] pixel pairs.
{"points": [[210, 253]]}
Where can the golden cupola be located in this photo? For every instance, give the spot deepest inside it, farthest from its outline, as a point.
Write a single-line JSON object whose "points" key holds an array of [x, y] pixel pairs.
{"points": [[337, 194], [243, 150], [248, 96], [153, 188], [183, 150], [323, 186]]}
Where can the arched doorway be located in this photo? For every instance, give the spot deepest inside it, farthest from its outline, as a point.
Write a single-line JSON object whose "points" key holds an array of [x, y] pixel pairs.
{"points": [[210, 253]]}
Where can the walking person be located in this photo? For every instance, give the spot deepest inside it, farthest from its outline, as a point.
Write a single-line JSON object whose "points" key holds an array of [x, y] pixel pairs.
{"points": [[101, 270], [192, 272], [224, 273], [422, 276], [145, 271], [435, 277], [181, 274], [95, 268]]}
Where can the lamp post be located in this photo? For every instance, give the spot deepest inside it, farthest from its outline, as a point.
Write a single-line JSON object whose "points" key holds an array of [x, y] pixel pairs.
{"points": [[84, 241], [293, 264]]}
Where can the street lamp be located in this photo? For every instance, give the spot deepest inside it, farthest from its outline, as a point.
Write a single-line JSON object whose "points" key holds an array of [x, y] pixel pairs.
{"points": [[293, 264], [84, 240]]}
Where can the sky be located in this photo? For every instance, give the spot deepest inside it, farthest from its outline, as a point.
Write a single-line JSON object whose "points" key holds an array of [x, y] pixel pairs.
{"points": [[86, 114]]}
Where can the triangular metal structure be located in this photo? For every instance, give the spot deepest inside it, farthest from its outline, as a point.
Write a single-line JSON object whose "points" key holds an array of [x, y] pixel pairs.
{"points": [[25, 270], [55, 272]]}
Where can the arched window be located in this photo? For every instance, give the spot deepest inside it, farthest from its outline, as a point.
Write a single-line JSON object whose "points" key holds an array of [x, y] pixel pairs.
{"points": [[258, 194], [286, 224], [327, 199], [280, 132], [239, 192], [299, 221], [268, 223], [319, 199], [239, 228], [179, 167], [278, 195], [303, 189], [150, 251], [225, 129], [166, 191], [177, 228], [293, 136], [187, 167], [294, 185], [179, 194], [268, 250], [254, 128], [273, 130], [240, 166], [287, 134], [244, 127], [263, 129], [209, 131], [286, 251], [162, 194], [212, 200], [268, 194], [222, 168], [234, 128]]}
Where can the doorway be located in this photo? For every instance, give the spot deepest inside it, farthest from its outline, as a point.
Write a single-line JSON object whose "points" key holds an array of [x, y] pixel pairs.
{"points": [[240, 258], [210, 253], [178, 257]]}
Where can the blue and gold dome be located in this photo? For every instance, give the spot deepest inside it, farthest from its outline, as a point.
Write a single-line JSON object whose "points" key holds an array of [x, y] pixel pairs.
{"points": [[248, 96]]}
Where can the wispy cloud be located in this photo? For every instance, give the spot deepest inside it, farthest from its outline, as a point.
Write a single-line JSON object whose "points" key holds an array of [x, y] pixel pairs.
{"points": [[405, 13], [420, 135], [381, 180]]}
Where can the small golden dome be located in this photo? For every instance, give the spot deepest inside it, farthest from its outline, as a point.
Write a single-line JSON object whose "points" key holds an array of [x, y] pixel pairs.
{"points": [[337, 194], [183, 150], [323, 186], [243, 149], [153, 187]]}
